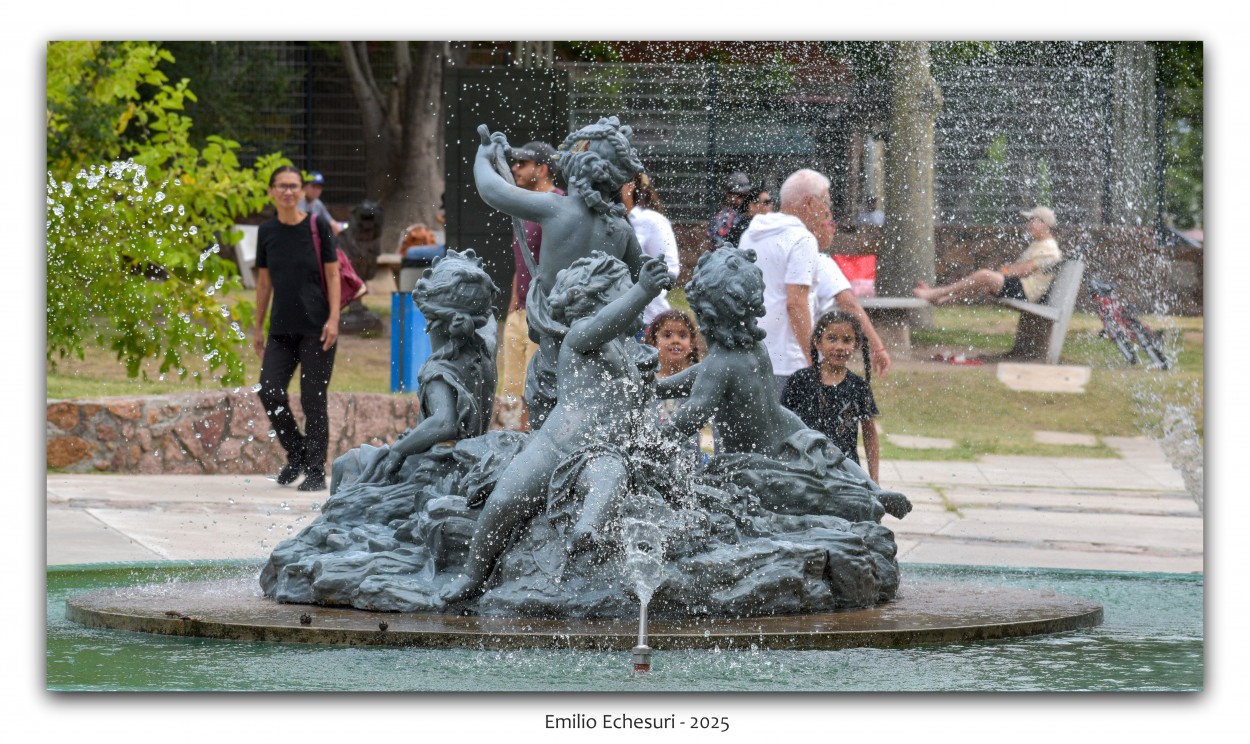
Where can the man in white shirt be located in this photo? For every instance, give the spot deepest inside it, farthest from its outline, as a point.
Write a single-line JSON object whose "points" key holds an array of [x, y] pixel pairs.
{"points": [[786, 245]]}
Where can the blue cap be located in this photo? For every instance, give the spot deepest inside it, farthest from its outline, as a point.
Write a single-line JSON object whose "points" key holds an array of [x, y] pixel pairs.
{"points": [[315, 177]]}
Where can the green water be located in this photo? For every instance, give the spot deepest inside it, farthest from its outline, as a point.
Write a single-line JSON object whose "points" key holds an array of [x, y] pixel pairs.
{"points": [[1152, 639]]}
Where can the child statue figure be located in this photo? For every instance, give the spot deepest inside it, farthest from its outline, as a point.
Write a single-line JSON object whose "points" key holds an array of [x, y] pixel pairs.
{"points": [[596, 160], [757, 434], [456, 384], [580, 452]]}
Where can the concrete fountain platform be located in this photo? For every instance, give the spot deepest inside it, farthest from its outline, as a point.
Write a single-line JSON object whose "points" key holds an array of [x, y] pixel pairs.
{"points": [[924, 612]]}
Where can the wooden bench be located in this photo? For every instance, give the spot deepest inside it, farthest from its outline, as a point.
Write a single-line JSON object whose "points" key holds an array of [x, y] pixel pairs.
{"points": [[1043, 325], [1039, 334]]}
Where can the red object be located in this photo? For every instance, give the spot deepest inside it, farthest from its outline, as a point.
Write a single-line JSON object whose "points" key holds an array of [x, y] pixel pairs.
{"points": [[861, 272], [351, 286]]}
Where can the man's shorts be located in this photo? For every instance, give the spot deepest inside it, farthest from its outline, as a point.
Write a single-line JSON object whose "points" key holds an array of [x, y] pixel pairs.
{"points": [[1012, 289]]}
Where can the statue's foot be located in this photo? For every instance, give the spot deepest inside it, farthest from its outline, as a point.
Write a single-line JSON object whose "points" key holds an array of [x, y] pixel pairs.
{"points": [[460, 590], [896, 504]]}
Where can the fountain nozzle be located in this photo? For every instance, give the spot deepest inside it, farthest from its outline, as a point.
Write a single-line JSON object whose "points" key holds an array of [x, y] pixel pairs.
{"points": [[642, 659], [642, 652]]}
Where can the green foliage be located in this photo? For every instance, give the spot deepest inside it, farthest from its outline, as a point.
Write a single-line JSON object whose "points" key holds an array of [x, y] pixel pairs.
{"points": [[135, 213], [230, 77], [1044, 192], [989, 195], [1180, 73]]}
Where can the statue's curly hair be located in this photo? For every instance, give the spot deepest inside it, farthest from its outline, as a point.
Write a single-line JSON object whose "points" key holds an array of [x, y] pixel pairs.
{"points": [[727, 296], [457, 293], [587, 278], [597, 178]]}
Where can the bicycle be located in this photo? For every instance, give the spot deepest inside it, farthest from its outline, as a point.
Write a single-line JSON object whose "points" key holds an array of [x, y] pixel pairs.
{"points": [[1121, 325]]}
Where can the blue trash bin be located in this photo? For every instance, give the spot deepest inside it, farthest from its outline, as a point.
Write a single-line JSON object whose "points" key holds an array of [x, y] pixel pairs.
{"points": [[410, 344]]}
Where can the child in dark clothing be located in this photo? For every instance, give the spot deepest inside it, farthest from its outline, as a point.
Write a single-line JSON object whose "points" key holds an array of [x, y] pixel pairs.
{"points": [[830, 398]]}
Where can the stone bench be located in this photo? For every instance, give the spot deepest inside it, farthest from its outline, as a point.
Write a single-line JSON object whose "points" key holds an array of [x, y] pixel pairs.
{"points": [[891, 319]]}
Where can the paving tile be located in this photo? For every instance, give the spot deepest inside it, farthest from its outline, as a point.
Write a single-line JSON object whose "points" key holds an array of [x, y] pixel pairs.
{"points": [[981, 554], [74, 537], [203, 535], [908, 441], [921, 522], [1110, 502], [1043, 378], [1065, 438], [1130, 531], [941, 472]]}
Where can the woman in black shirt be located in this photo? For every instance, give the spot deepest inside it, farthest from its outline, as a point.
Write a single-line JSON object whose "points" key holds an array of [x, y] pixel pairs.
{"points": [[303, 326]]}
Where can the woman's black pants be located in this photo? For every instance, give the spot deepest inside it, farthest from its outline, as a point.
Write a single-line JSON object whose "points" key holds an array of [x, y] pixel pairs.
{"points": [[282, 355]]}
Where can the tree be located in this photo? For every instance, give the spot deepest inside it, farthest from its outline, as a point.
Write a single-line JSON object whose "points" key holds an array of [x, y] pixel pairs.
{"points": [[134, 215], [1180, 77], [989, 194], [908, 251], [403, 117]]}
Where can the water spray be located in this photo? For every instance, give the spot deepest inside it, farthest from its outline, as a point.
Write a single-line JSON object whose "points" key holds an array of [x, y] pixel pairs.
{"points": [[644, 547]]}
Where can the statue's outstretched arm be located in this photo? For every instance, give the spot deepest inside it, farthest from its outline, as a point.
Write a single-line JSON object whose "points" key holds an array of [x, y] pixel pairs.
{"points": [[706, 393], [678, 385], [503, 194], [616, 317], [439, 426]]}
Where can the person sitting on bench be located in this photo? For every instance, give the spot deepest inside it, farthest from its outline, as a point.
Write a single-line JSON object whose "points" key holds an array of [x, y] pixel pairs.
{"points": [[1026, 279]]}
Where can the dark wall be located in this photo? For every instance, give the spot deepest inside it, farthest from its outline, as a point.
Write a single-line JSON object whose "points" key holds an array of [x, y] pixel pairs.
{"points": [[525, 105]]}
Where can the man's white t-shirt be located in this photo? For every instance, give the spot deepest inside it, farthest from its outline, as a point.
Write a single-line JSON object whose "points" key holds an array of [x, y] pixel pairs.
{"points": [[830, 281], [786, 254], [657, 240]]}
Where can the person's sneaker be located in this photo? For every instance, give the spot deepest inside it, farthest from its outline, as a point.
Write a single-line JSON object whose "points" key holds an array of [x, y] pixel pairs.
{"points": [[288, 474], [313, 482]]}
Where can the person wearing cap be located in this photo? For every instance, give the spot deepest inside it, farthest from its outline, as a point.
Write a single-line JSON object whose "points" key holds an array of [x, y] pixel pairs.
{"points": [[724, 227], [311, 203], [1027, 278], [533, 169]]}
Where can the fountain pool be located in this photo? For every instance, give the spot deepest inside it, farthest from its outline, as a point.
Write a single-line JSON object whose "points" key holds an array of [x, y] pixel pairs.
{"points": [[1151, 639]]}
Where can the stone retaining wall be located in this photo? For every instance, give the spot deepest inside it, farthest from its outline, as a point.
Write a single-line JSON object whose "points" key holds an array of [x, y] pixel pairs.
{"points": [[205, 432]]}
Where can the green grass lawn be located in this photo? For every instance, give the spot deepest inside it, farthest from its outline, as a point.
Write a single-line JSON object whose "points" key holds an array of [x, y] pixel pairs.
{"points": [[966, 404], [983, 416]]}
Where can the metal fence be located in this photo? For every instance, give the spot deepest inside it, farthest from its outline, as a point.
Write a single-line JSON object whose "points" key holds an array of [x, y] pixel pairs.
{"points": [[1005, 137], [695, 123]]}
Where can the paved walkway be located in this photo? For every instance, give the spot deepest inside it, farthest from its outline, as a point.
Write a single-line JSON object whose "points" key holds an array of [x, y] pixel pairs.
{"points": [[1128, 514]]}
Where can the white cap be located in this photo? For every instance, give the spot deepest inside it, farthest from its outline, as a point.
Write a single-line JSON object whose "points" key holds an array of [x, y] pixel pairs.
{"points": [[1045, 214]]}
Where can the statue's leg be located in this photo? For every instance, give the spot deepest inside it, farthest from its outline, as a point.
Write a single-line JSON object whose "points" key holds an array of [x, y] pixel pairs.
{"points": [[601, 487], [519, 497]]}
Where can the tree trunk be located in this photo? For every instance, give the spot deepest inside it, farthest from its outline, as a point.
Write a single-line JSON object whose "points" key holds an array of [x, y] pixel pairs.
{"points": [[907, 252], [420, 169], [380, 144], [1133, 146], [403, 125]]}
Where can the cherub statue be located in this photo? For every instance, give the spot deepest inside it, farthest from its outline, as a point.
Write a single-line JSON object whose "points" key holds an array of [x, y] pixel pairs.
{"points": [[596, 160], [456, 384], [581, 452], [735, 382]]}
